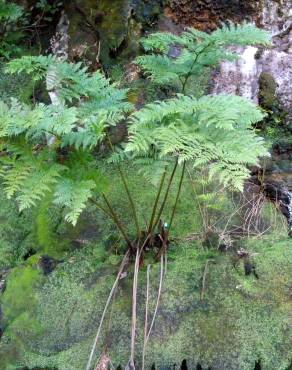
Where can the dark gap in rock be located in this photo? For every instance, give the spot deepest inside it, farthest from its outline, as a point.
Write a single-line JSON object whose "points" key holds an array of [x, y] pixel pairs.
{"points": [[258, 365], [29, 253], [47, 264], [199, 367], [153, 366], [119, 367], [116, 52], [249, 268], [184, 365]]}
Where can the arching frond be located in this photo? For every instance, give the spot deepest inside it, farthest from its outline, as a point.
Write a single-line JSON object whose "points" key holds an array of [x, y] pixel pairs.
{"points": [[74, 196], [173, 59], [212, 130]]}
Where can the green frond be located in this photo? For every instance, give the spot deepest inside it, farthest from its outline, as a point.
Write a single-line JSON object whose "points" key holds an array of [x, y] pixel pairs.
{"points": [[39, 183], [160, 41], [213, 130], [14, 173], [152, 168], [10, 12], [74, 196], [241, 34], [33, 167], [36, 66], [173, 59]]}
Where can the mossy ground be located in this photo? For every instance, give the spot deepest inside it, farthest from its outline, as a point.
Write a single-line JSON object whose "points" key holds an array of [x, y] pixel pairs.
{"points": [[240, 320]]}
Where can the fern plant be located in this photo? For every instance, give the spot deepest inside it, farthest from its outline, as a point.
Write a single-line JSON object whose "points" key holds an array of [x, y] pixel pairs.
{"points": [[49, 150], [211, 131], [32, 165]]}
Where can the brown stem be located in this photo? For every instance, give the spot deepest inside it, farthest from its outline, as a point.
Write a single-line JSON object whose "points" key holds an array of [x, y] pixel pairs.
{"points": [[117, 222], [158, 299], [134, 310], [177, 195], [156, 202], [146, 317], [125, 259], [123, 177], [204, 280], [165, 195]]}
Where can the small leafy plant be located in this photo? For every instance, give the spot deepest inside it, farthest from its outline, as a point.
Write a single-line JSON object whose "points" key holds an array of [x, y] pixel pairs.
{"points": [[12, 20]]}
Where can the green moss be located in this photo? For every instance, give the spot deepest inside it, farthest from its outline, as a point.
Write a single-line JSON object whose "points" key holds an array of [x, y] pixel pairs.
{"points": [[16, 233], [240, 320], [19, 293], [17, 86], [274, 123], [267, 91]]}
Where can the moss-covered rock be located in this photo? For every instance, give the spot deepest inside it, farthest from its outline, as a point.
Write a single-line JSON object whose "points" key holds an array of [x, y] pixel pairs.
{"points": [[100, 31], [267, 91], [240, 319]]}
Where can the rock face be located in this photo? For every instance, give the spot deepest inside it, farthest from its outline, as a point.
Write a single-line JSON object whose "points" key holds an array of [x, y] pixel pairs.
{"points": [[243, 77], [278, 178], [100, 31], [206, 15]]}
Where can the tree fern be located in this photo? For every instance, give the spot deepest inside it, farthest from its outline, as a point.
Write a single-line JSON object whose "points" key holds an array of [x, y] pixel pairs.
{"points": [[173, 59]]}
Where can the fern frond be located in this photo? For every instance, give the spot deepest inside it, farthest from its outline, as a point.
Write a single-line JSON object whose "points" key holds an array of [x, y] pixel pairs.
{"points": [[10, 12], [212, 130], [37, 185], [173, 59], [241, 34], [36, 66], [160, 41], [73, 196]]}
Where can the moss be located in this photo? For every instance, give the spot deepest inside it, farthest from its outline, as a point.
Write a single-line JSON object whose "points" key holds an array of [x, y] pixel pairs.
{"points": [[274, 125], [16, 233], [267, 91], [18, 86], [241, 319], [107, 23], [19, 293]]}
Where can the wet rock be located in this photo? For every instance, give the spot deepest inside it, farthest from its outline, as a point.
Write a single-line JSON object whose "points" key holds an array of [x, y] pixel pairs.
{"points": [[280, 195], [206, 15], [268, 69], [3, 275], [103, 31]]}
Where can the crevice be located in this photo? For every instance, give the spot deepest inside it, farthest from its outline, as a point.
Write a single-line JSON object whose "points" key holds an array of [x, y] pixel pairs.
{"points": [[29, 253], [184, 365], [249, 268], [258, 365]]}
